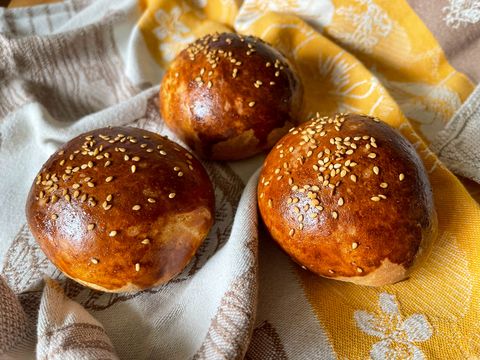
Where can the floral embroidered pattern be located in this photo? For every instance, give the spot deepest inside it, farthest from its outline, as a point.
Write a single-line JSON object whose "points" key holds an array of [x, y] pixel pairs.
{"points": [[462, 13], [371, 23], [397, 335], [172, 32]]}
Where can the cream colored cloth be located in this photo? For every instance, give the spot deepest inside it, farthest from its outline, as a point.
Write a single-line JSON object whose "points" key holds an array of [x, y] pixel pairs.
{"points": [[458, 144], [78, 65]]}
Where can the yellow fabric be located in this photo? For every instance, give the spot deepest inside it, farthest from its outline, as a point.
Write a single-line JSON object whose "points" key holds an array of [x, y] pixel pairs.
{"points": [[374, 57]]}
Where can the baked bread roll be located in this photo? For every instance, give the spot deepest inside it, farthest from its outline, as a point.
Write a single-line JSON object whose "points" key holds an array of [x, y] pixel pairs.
{"points": [[230, 96], [121, 209], [348, 198]]}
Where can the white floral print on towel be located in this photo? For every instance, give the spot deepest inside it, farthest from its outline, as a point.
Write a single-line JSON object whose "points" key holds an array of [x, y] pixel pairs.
{"points": [[397, 335], [462, 13]]}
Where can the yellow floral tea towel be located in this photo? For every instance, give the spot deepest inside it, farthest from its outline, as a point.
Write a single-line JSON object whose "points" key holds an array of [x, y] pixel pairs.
{"points": [[70, 67]]}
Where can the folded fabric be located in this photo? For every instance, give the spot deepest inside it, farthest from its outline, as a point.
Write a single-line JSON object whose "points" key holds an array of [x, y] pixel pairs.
{"points": [[77, 65]]}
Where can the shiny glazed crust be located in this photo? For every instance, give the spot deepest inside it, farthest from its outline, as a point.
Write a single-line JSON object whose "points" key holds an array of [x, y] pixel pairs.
{"points": [[230, 96], [348, 198], [121, 209]]}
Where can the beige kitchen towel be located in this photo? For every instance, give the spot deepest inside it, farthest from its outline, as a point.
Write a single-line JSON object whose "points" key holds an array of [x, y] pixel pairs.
{"points": [[78, 65], [458, 144]]}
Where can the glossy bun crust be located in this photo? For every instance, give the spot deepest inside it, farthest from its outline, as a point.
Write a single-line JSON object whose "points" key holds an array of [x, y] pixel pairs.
{"points": [[230, 96], [348, 198], [121, 209]]}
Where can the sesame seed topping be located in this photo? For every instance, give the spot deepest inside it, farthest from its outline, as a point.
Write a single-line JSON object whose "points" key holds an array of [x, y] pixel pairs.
{"points": [[251, 103], [334, 214], [291, 232], [171, 195], [401, 177], [137, 267], [109, 197], [372, 155], [90, 184], [375, 198], [145, 241], [54, 216], [136, 207], [136, 158], [340, 202], [108, 179], [353, 178], [94, 261], [91, 226], [354, 245], [359, 270], [162, 152], [151, 200], [376, 170], [112, 233], [133, 168]]}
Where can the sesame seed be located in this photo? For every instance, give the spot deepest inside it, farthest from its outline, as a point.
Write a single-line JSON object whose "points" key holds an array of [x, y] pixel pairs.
{"points": [[133, 168], [137, 267], [126, 157], [108, 179], [383, 185], [354, 245], [353, 178], [112, 233], [54, 216], [136, 207], [291, 232], [94, 261], [75, 186], [90, 164], [376, 170], [90, 184], [162, 152], [171, 195], [251, 103], [91, 226], [375, 198], [107, 163], [313, 215], [151, 200], [145, 241], [136, 158], [334, 214], [372, 155], [401, 177], [272, 83], [359, 270], [109, 197], [67, 197], [340, 202]]}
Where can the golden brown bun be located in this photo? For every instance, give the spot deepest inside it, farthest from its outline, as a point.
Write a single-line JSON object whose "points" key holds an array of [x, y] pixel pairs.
{"points": [[121, 209], [230, 96], [349, 199]]}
